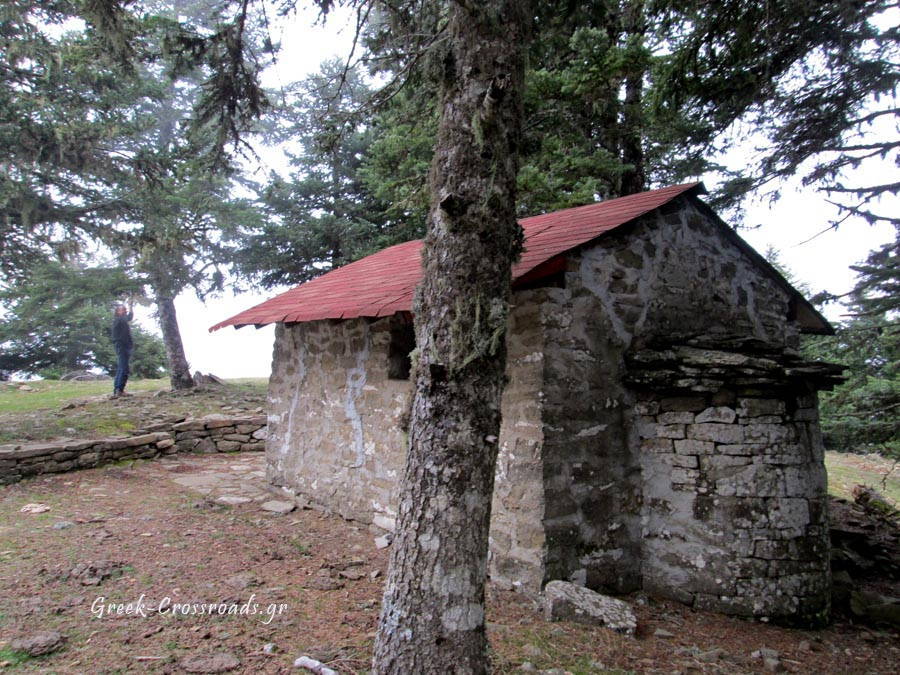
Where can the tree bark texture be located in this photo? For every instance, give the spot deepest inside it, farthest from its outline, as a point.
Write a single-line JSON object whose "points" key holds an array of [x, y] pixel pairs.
{"points": [[432, 618], [179, 370]]}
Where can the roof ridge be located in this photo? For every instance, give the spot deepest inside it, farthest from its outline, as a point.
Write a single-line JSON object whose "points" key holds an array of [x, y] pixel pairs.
{"points": [[383, 283]]}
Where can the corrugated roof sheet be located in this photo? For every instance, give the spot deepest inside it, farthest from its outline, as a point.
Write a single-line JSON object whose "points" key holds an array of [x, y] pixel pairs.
{"points": [[383, 283]]}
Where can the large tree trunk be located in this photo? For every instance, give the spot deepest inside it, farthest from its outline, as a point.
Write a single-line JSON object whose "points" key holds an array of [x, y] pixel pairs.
{"points": [[432, 619], [179, 370]]}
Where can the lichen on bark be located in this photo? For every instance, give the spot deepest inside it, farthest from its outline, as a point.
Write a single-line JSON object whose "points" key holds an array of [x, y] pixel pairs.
{"points": [[432, 619]]}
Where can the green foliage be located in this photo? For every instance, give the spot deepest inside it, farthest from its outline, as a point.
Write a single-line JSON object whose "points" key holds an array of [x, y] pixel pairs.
{"points": [[816, 80], [59, 317], [395, 168], [65, 109], [626, 94], [323, 215], [107, 137], [593, 126], [863, 415]]}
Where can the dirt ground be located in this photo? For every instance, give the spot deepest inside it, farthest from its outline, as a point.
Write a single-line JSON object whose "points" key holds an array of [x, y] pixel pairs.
{"points": [[316, 583]]}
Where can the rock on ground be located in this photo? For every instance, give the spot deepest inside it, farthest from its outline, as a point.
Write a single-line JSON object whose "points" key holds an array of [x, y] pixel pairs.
{"points": [[320, 583], [313, 666], [276, 506], [40, 643], [209, 663], [34, 508], [233, 500], [92, 573], [241, 581], [564, 601]]}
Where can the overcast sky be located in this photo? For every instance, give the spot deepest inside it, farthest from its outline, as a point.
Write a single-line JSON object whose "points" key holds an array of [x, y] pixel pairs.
{"points": [[800, 214]]}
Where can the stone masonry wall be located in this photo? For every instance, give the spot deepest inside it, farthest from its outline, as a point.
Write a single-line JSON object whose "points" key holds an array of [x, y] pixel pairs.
{"points": [[591, 474], [335, 437], [615, 518], [586, 481], [334, 418], [213, 433], [671, 275], [517, 536], [734, 514]]}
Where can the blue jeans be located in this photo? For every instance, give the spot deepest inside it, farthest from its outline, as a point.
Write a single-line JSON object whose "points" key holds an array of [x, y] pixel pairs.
{"points": [[123, 356]]}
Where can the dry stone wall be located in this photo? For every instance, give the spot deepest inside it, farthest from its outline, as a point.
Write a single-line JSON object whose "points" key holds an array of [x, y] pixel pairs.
{"points": [[335, 436], [213, 433], [670, 276], [518, 538], [221, 433], [734, 512]]}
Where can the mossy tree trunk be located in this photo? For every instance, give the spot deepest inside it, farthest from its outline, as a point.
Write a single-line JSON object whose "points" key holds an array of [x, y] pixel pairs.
{"points": [[432, 619]]}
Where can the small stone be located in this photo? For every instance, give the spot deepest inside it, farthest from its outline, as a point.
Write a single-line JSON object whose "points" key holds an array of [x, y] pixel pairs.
{"points": [[40, 643], [374, 574], [773, 665], [533, 651], [711, 655], [565, 601], [527, 667], [764, 653], [210, 663], [241, 581], [63, 525], [232, 500], [269, 648], [275, 506], [321, 583], [383, 541], [93, 573], [804, 646], [314, 666], [228, 446], [718, 414], [662, 633], [217, 421], [34, 508], [352, 575]]}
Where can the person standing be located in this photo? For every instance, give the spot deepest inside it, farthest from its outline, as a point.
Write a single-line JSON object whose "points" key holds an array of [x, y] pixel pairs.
{"points": [[121, 337]]}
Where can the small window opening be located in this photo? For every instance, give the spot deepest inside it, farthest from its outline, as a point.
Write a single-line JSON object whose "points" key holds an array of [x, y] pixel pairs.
{"points": [[403, 342], [557, 280]]}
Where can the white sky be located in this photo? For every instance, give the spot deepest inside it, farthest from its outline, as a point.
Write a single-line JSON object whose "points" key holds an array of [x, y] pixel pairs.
{"points": [[801, 213]]}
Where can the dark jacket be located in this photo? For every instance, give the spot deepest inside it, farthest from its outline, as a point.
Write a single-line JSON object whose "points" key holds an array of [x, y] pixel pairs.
{"points": [[121, 331]]}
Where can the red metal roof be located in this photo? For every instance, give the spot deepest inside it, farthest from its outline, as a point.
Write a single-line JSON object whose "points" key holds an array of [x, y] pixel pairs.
{"points": [[383, 283]]}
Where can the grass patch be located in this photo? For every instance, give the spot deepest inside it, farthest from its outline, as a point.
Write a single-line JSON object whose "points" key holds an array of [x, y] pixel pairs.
{"points": [[49, 394], [846, 470], [253, 385], [301, 548], [44, 413], [14, 657]]}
